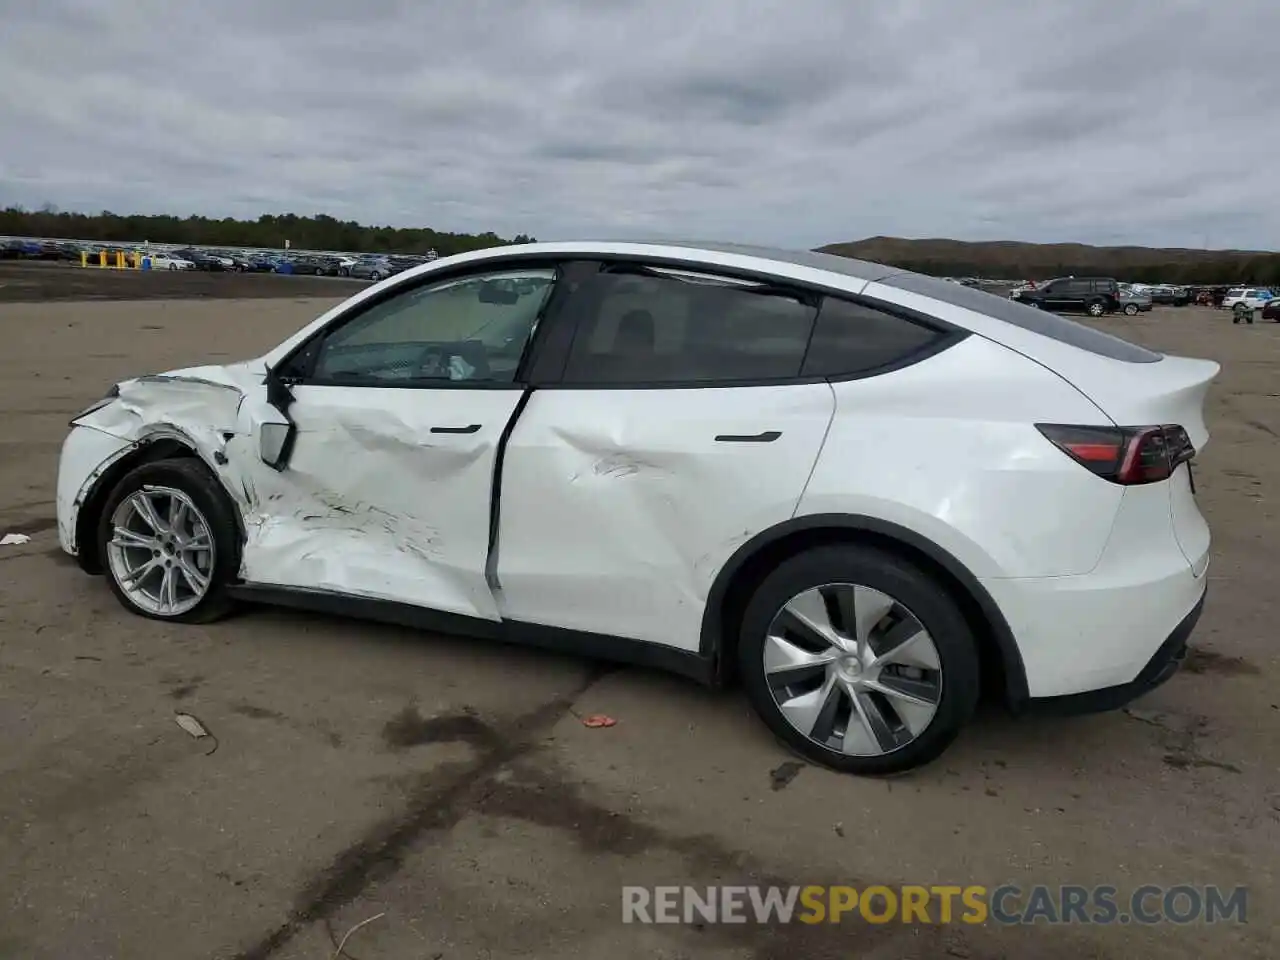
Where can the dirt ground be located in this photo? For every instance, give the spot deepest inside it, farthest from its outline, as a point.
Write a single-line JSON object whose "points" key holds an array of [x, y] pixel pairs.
{"points": [[449, 788]]}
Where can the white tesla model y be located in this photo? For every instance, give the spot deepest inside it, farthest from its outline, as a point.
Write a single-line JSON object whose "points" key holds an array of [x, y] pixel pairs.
{"points": [[864, 493]]}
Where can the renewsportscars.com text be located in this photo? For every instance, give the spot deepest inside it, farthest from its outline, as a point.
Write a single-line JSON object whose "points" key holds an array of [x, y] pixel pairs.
{"points": [[972, 904]]}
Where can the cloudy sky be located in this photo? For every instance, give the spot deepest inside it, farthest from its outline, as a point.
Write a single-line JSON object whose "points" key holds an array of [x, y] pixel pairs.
{"points": [[795, 122]]}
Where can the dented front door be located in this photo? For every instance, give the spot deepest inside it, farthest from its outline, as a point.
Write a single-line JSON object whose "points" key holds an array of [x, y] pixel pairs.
{"points": [[386, 495]]}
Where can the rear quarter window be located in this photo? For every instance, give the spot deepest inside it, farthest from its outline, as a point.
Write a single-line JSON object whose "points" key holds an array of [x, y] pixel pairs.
{"points": [[851, 339], [1043, 322]]}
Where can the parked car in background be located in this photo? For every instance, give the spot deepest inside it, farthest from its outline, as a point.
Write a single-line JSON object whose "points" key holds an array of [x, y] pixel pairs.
{"points": [[1048, 542], [202, 260], [1242, 301], [1095, 296], [169, 261], [317, 265], [1133, 302], [1166, 295], [374, 269], [1272, 310], [262, 263]]}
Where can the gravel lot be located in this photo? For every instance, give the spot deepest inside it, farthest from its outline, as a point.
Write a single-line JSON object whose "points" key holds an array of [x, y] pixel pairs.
{"points": [[451, 786]]}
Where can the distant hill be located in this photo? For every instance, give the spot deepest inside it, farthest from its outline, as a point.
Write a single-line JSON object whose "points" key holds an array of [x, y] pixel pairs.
{"points": [[1007, 259]]}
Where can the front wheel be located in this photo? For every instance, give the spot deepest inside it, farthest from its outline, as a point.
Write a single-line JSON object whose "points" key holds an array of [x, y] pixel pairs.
{"points": [[170, 542], [1130, 309], [858, 660], [375, 276]]}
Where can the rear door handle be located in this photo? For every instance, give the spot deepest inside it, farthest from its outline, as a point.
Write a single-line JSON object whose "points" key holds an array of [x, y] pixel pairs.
{"points": [[767, 436], [470, 428]]}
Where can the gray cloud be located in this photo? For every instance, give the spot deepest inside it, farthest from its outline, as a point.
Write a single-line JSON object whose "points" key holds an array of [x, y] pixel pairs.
{"points": [[797, 122]]}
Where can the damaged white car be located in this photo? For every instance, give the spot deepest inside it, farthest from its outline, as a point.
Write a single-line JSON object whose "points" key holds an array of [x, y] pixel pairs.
{"points": [[866, 493]]}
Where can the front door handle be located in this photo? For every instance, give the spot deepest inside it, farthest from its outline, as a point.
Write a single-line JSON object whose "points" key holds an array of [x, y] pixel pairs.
{"points": [[767, 436], [470, 428]]}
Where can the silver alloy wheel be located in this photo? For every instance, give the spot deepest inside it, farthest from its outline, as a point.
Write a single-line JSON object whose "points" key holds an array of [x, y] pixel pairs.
{"points": [[161, 551], [852, 669], [1096, 309]]}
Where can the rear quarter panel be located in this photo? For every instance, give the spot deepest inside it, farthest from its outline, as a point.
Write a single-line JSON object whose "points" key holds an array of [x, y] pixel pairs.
{"points": [[948, 448]]}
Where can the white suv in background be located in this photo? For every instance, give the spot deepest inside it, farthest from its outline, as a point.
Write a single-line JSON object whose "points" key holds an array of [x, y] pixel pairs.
{"points": [[863, 492], [1242, 301]]}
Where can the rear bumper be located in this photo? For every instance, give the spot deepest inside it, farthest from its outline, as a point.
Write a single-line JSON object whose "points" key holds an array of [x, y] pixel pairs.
{"points": [[1162, 665]]}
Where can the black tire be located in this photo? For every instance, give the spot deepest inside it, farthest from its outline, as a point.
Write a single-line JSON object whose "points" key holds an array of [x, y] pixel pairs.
{"points": [[1130, 309], [173, 266], [194, 479], [930, 602], [375, 276], [1096, 308]]}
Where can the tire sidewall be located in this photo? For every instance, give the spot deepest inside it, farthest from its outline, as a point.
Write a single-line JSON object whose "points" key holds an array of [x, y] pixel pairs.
{"points": [[931, 603], [1131, 310], [194, 479]]}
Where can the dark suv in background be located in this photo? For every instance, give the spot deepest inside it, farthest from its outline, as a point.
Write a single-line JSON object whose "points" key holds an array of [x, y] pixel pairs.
{"points": [[1092, 295]]}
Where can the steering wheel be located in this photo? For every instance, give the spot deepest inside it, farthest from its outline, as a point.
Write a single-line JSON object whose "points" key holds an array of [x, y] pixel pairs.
{"points": [[433, 362]]}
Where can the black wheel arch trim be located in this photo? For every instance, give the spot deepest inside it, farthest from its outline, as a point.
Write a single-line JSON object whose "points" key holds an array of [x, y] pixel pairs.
{"points": [[152, 448], [712, 638]]}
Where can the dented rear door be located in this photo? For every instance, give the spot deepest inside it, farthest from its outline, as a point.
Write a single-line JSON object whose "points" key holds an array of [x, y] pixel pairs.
{"points": [[619, 507], [676, 432]]}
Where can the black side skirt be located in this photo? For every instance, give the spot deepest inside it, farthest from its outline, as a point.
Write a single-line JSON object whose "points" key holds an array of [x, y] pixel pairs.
{"points": [[595, 646]]}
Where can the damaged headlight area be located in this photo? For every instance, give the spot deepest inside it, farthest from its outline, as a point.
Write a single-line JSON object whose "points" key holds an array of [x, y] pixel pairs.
{"points": [[110, 397]]}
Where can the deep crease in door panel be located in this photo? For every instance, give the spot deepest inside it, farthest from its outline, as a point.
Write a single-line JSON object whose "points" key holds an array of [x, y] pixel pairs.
{"points": [[301, 516]]}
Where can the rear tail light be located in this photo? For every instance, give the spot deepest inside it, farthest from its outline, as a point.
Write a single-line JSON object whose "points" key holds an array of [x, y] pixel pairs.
{"points": [[1124, 455]]}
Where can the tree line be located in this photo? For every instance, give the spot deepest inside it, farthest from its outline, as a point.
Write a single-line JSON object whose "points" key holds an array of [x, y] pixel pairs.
{"points": [[269, 231], [940, 258]]}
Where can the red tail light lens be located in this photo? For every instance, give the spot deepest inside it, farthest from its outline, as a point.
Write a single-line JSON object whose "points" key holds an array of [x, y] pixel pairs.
{"points": [[1124, 455]]}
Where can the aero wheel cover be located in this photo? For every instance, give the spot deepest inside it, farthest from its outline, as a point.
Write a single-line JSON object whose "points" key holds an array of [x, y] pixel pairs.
{"points": [[852, 669], [161, 551]]}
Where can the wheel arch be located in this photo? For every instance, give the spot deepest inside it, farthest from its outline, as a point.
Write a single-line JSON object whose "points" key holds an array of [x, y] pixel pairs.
{"points": [[1004, 675], [151, 449]]}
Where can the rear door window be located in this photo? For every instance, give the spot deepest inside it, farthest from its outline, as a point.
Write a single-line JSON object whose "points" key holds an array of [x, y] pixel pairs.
{"points": [[643, 326]]}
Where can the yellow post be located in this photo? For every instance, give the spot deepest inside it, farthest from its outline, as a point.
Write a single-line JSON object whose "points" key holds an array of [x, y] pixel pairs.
{"points": [[84, 258], [119, 259], [102, 258]]}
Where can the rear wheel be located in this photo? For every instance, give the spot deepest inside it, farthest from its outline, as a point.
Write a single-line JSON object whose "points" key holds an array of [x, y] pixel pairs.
{"points": [[858, 660], [375, 276], [1130, 309], [1096, 308], [170, 542]]}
